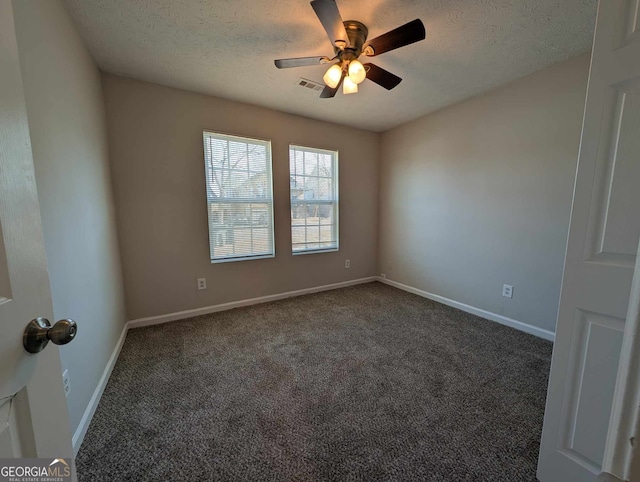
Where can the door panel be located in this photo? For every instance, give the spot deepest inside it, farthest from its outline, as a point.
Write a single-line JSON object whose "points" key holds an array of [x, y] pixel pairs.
{"points": [[601, 255], [599, 339], [33, 414], [24, 283], [613, 239]]}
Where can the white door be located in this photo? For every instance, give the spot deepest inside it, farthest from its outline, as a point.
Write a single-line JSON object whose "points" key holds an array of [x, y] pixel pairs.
{"points": [[601, 254], [33, 414]]}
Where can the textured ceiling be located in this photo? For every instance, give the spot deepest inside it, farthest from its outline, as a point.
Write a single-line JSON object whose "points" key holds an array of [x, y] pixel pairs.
{"points": [[226, 48]]}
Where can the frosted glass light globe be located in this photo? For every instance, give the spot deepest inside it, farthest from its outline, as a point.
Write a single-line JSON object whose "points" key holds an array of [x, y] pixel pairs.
{"points": [[333, 75], [349, 86], [356, 71]]}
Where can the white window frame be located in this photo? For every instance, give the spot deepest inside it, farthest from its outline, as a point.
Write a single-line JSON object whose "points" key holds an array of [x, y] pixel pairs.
{"points": [[336, 189], [267, 143]]}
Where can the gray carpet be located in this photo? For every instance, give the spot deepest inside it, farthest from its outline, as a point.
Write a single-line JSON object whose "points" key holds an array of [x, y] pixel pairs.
{"points": [[362, 383]]}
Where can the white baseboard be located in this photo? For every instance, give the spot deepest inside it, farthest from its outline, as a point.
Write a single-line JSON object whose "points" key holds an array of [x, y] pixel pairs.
{"points": [[503, 320], [81, 431], [155, 320]]}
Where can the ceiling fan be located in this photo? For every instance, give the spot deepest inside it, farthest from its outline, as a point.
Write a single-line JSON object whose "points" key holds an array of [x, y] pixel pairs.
{"points": [[349, 39]]}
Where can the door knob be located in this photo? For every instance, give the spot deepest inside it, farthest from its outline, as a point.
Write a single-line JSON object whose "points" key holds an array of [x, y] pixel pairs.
{"points": [[39, 332]]}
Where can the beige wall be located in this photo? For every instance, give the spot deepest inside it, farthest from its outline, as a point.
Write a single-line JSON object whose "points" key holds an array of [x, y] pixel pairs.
{"points": [[479, 194], [155, 141], [68, 136]]}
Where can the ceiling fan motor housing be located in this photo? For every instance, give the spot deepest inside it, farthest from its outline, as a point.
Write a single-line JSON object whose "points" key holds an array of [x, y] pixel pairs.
{"points": [[357, 33]]}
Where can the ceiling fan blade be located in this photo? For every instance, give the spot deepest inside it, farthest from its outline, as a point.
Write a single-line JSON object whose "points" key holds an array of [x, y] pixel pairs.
{"points": [[405, 35], [300, 62], [329, 15], [382, 77], [328, 92]]}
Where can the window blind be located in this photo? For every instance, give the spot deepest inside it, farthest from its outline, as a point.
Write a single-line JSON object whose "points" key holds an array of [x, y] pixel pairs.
{"points": [[314, 199], [239, 197]]}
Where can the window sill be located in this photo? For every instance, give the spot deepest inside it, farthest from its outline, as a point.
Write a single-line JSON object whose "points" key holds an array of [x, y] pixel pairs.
{"points": [[241, 258], [315, 251]]}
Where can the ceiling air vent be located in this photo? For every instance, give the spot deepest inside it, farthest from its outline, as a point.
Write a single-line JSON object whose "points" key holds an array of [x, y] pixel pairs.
{"points": [[310, 84]]}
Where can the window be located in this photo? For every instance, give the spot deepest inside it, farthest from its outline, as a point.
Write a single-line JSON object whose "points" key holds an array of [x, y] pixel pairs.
{"points": [[314, 199], [239, 197]]}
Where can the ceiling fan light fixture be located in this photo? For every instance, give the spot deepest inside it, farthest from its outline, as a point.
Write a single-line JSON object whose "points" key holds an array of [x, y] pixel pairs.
{"points": [[357, 72], [349, 86], [333, 75], [349, 39]]}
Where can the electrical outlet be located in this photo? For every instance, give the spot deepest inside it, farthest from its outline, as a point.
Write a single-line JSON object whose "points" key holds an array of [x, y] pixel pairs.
{"points": [[65, 383], [202, 283], [507, 291], [383, 275], [347, 263]]}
